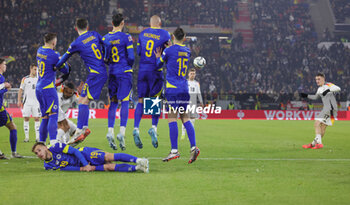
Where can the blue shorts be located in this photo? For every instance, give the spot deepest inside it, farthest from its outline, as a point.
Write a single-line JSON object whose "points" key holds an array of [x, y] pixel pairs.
{"points": [[93, 155], [48, 100], [177, 98], [5, 117], [93, 85], [150, 83], [120, 86]]}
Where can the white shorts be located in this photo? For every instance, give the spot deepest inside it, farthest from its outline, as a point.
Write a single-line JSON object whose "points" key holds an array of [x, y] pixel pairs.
{"points": [[31, 110], [326, 117], [61, 115]]}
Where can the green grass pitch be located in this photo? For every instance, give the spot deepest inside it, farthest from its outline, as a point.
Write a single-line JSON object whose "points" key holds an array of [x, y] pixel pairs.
{"points": [[241, 162]]}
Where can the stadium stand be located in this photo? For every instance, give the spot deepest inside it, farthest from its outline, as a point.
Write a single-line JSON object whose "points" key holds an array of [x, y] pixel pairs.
{"points": [[341, 10], [282, 58]]}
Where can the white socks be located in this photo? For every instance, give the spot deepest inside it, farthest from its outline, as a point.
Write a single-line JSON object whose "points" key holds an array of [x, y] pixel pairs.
{"points": [[122, 130], [317, 140], [154, 127], [173, 151], [183, 130], [111, 130], [37, 129], [26, 129]]}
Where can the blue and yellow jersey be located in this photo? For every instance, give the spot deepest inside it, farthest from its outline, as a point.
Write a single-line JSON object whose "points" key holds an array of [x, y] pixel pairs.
{"points": [[119, 51], [64, 156], [3, 90], [46, 59], [149, 40], [177, 57], [89, 45]]}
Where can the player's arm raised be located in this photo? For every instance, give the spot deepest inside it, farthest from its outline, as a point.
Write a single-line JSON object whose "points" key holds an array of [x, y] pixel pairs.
{"points": [[71, 50]]}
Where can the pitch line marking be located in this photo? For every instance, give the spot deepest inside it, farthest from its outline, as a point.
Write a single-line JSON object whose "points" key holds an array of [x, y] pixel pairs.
{"points": [[260, 159], [243, 159]]}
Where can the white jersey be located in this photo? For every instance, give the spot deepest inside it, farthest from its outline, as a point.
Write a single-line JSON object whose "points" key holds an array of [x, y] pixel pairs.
{"points": [[28, 85], [195, 92], [64, 104], [329, 101]]}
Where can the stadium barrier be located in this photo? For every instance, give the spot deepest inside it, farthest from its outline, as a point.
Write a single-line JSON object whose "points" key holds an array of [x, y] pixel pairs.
{"points": [[225, 114]]}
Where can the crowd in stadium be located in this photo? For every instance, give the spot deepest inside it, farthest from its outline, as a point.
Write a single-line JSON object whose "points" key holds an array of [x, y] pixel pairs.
{"points": [[341, 9], [24, 33], [193, 12], [282, 59]]}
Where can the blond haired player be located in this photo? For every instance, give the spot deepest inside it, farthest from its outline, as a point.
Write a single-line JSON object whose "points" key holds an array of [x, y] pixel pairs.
{"points": [[325, 91], [195, 94], [29, 102]]}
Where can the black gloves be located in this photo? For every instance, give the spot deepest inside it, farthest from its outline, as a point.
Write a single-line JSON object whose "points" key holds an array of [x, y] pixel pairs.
{"points": [[303, 95]]}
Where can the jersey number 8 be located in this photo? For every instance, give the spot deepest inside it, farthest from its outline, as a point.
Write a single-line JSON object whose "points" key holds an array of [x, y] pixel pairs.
{"points": [[115, 56]]}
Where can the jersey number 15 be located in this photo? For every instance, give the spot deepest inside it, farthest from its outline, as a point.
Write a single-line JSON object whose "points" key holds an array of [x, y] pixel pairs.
{"points": [[182, 65]]}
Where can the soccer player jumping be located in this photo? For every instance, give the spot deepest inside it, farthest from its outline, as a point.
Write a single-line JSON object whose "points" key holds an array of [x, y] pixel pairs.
{"points": [[150, 79], [176, 92], [89, 46], [119, 52], [327, 93]]}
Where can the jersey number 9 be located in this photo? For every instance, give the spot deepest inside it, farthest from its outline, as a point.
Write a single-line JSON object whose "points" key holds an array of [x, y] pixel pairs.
{"points": [[149, 48], [182, 64], [96, 51]]}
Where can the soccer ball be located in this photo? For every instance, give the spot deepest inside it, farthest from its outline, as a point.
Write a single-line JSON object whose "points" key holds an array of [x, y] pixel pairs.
{"points": [[199, 62]]}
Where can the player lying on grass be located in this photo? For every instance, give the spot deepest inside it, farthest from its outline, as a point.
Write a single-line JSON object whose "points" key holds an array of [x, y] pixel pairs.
{"points": [[66, 158], [327, 92]]}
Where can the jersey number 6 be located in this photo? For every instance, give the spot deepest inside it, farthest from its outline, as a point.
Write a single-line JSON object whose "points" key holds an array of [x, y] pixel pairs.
{"points": [[96, 51]]}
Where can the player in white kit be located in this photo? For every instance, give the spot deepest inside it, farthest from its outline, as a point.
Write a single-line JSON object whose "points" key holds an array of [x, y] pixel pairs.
{"points": [[66, 97], [195, 94], [327, 92], [29, 102]]}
